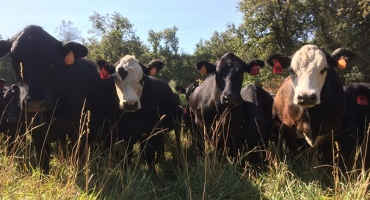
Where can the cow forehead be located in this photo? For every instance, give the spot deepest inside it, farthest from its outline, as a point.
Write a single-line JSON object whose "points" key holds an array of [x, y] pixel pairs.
{"points": [[308, 58], [132, 66], [228, 64]]}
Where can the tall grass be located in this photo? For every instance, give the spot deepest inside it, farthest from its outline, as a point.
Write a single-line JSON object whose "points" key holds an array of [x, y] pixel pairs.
{"points": [[113, 174]]}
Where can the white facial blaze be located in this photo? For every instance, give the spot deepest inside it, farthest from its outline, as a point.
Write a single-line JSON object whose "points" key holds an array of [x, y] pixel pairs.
{"points": [[129, 89], [309, 64], [23, 91]]}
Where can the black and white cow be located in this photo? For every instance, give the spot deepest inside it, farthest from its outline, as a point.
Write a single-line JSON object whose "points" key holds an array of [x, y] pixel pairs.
{"points": [[11, 106], [220, 93], [148, 108]]}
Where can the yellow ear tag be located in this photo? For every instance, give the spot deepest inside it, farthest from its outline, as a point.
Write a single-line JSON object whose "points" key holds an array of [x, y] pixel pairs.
{"points": [[70, 58], [342, 63]]}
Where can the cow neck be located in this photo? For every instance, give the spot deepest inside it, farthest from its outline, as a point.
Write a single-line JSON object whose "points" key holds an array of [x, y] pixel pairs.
{"points": [[332, 89], [143, 80]]}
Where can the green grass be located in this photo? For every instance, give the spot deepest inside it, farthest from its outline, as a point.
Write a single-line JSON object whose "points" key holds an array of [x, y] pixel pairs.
{"points": [[196, 177]]}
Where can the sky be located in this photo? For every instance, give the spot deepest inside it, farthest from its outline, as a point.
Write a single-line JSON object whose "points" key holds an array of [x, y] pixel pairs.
{"points": [[195, 19]]}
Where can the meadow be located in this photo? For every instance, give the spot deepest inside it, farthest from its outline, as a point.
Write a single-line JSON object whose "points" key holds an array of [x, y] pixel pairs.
{"points": [[184, 174]]}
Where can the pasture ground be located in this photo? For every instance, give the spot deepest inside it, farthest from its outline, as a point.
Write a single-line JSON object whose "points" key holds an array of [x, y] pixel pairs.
{"points": [[199, 177]]}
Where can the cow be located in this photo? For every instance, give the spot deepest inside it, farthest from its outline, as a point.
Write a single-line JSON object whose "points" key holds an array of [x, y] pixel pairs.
{"points": [[220, 93], [11, 107], [147, 108], [260, 107], [357, 116], [310, 103], [60, 83]]}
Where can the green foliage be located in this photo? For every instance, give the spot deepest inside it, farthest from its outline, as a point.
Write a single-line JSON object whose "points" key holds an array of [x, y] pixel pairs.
{"points": [[178, 67], [114, 38], [6, 70], [279, 26]]}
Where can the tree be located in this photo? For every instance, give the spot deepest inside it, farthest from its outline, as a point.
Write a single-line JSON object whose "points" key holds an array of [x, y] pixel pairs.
{"points": [[154, 39], [68, 32], [282, 26], [114, 37], [343, 23], [165, 45]]}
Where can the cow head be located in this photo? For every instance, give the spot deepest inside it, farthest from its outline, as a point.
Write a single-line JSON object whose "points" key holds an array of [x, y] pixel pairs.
{"points": [[129, 85], [205, 68], [36, 56], [309, 67], [229, 77]]}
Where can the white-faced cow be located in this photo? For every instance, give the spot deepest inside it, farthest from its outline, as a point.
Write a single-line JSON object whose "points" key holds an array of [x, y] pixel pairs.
{"points": [[220, 93], [310, 102], [147, 106]]}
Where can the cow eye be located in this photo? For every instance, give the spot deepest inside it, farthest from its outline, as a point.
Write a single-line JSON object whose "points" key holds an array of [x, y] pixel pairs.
{"points": [[122, 72], [323, 70]]}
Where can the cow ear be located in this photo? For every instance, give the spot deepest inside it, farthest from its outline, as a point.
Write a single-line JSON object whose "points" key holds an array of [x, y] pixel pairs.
{"points": [[342, 57], [4, 47], [278, 63], [72, 51], [209, 66], [254, 66]]}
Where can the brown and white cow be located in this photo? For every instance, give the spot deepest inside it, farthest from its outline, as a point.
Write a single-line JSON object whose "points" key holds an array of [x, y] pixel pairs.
{"points": [[310, 102]]}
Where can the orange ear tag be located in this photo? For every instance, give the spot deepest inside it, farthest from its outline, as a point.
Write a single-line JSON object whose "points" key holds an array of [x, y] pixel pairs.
{"points": [[342, 63], [70, 58], [104, 74], [362, 100]]}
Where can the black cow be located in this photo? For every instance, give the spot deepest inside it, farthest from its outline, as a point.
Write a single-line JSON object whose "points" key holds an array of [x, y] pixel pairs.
{"points": [[357, 108], [60, 82], [357, 116], [310, 104], [260, 108], [220, 93]]}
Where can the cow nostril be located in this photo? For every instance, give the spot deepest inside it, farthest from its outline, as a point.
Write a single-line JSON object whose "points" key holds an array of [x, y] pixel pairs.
{"points": [[226, 98], [312, 97]]}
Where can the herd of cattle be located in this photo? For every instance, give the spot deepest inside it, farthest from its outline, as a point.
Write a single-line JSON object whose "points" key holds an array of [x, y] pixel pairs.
{"points": [[312, 107]]}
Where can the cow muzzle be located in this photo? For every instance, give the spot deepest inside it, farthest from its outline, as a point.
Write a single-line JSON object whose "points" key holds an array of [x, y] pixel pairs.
{"points": [[37, 106], [130, 107], [307, 100], [229, 100]]}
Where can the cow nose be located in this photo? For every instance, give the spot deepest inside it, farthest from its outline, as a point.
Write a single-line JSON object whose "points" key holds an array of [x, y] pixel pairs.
{"points": [[27, 99], [307, 99], [132, 107], [226, 99]]}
